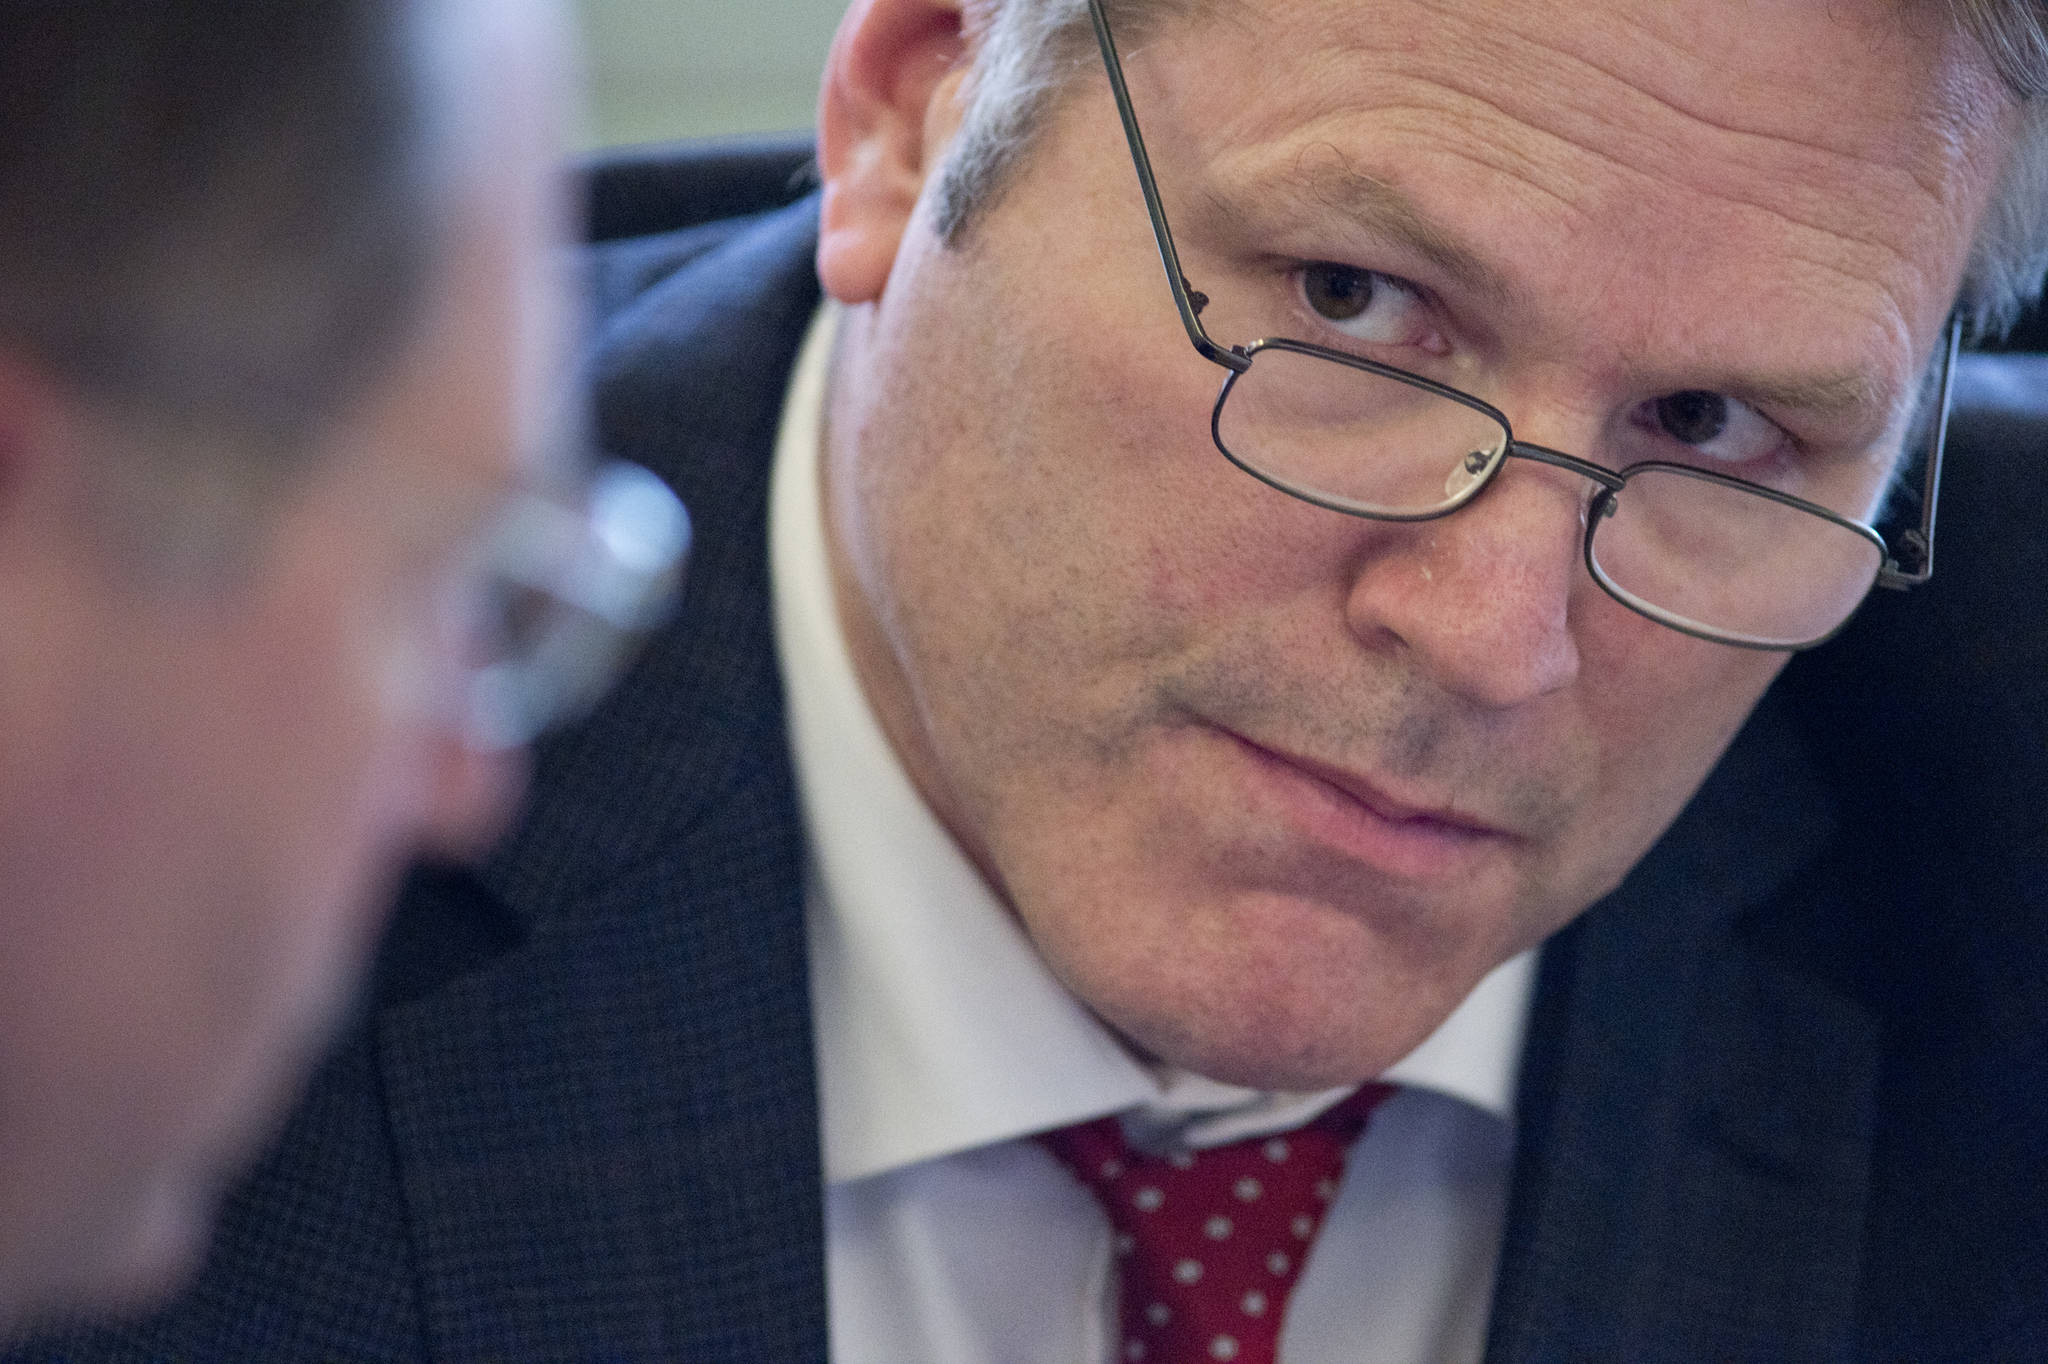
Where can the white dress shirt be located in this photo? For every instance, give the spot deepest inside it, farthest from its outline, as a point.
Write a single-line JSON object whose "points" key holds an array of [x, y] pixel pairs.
{"points": [[943, 1041]]}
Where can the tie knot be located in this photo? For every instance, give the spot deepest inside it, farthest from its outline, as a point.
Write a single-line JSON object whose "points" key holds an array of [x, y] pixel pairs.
{"points": [[1209, 1243]]}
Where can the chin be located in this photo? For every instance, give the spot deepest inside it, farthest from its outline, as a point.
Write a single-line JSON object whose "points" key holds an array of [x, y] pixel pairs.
{"points": [[1284, 992], [155, 1268], [166, 1238], [123, 1262], [1317, 1029], [1300, 1060]]}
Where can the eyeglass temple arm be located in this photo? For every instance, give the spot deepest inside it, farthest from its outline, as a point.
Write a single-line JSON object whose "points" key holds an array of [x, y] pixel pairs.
{"points": [[1189, 300], [1917, 545]]}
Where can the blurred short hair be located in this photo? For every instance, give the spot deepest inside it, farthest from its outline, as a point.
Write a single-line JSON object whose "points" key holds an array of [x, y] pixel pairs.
{"points": [[216, 215]]}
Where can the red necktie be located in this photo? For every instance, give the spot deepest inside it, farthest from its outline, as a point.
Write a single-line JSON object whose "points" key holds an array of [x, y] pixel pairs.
{"points": [[1209, 1243]]}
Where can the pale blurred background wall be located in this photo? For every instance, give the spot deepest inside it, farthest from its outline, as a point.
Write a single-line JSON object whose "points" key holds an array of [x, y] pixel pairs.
{"points": [[696, 68]]}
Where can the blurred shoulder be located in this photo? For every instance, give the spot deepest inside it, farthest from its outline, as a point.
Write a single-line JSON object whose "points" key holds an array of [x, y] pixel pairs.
{"points": [[653, 210]]}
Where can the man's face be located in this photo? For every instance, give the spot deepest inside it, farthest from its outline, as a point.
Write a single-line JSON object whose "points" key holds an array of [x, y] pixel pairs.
{"points": [[208, 791], [1271, 787]]}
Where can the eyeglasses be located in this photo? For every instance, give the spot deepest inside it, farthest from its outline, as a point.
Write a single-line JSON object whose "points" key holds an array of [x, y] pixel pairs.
{"points": [[568, 590], [1705, 553]]}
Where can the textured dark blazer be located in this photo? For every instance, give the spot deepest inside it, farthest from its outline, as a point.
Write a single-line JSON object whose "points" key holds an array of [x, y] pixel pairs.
{"points": [[1786, 1091]]}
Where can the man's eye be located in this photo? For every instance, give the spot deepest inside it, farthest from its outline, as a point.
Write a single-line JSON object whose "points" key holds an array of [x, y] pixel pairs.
{"points": [[1337, 293], [1364, 304], [1693, 417], [1722, 429]]}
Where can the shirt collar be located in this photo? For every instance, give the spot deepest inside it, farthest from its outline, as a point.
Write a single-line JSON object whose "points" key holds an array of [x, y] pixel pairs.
{"points": [[939, 1028]]}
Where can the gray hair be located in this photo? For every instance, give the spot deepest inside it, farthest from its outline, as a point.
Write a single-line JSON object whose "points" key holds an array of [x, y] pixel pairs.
{"points": [[215, 215], [2010, 255], [1027, 52]]}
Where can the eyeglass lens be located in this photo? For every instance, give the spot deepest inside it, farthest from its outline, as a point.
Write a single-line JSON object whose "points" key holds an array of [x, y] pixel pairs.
{"points": [[1689, 549]]}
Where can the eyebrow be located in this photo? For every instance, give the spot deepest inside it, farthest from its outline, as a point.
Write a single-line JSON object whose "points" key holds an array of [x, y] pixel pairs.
{"points": [[1360, 201], [1830, 397]]}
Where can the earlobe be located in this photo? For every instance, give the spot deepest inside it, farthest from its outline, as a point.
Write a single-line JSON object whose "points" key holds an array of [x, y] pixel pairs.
{"points": [[892, 62]]}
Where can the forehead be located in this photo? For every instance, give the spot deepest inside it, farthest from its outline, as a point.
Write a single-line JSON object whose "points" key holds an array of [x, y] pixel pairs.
{"points": [[495, 325], [1586, 156]]}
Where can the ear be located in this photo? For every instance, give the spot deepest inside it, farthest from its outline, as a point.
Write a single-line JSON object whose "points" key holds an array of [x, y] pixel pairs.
{"points": [[883, 119]]}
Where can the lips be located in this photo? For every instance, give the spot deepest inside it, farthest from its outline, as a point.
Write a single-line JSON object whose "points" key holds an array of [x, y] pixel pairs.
{"points": [[1374, 799], [1356, 817]]}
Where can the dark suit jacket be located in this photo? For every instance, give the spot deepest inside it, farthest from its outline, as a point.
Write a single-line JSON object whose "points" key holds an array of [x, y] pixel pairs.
{"points": [[1786, 1092]]}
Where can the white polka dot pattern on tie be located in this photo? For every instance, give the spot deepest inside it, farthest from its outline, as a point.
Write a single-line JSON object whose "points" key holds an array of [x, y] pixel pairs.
{"points": [[1209, 1242]]}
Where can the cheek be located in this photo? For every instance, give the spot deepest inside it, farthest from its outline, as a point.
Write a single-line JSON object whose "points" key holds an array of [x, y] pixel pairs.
{"points": [[1157, 533], [345, 763], [366, 761], [323, 833], [1224, 543]]}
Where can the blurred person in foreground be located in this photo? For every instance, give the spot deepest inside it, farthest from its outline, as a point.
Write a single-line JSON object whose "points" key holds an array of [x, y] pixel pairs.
{"points": [[280, 345], [1121, 709]]}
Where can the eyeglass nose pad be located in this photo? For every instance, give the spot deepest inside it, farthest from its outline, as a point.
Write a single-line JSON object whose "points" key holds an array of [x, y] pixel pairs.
{"points": [[1598, 506]]}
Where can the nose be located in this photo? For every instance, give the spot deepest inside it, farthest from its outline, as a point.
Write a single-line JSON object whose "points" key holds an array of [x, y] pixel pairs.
{"points": [[1481, 599]]}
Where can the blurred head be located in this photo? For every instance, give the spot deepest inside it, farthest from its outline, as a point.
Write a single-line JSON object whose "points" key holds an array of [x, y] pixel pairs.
{"points": [[1272, 787], [278, 338]]}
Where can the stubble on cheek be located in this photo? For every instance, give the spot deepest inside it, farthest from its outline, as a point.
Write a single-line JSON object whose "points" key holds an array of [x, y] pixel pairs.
{"points": [[1073, 604], [1367, 712]]}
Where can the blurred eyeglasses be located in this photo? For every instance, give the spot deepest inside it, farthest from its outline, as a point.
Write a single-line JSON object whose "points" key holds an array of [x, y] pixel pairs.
{"points": [[570, 588]]}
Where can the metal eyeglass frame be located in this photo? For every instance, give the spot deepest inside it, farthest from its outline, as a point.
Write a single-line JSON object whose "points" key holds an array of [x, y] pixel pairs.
{"points": [[1910, 565], [575, 582]]}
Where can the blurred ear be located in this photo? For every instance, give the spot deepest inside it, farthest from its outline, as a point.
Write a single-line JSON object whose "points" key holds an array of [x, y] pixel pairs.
{"points": [[883, 119]]}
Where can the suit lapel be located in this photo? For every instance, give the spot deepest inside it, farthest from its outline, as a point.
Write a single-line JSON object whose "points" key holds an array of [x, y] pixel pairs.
{"points": [[1696, 1112], [607, 1132]]}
